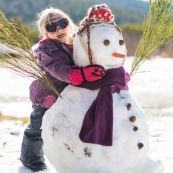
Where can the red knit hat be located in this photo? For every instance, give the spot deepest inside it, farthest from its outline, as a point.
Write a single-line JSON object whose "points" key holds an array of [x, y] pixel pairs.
{"points": [[97, 15]]}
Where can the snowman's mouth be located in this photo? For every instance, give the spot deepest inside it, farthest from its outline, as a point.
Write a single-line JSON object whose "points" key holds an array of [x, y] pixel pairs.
{"points": [[111, 65]]}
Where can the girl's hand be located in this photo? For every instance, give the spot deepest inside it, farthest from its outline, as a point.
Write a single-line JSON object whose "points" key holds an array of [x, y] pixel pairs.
{"points": [[93, 72], [88, 73]]}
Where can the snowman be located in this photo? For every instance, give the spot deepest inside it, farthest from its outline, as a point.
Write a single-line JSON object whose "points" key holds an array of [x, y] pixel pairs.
{"points": [[98, 127]]}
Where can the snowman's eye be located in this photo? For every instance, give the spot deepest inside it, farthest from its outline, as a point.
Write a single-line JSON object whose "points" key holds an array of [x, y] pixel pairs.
{"points": [[121, 42], [106, 42]]}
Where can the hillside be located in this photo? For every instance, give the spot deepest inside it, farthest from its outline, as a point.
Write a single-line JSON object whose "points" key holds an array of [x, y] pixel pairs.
{"points": [[136, 5], [125, 11], [27, 10]]}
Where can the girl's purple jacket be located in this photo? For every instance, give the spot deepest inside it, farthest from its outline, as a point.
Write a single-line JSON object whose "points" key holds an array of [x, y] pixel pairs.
{"points": [[55, 59]]}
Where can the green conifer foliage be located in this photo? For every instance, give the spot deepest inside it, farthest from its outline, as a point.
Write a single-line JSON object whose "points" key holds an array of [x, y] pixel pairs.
{"points": [[157, 31], [16, 54]]}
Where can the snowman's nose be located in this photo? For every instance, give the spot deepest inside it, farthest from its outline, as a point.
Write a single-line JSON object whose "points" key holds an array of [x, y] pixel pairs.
{"points": [[118, 55]]}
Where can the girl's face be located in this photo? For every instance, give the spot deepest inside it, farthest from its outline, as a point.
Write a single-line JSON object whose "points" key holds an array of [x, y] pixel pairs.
{"points": [[59, 30]]}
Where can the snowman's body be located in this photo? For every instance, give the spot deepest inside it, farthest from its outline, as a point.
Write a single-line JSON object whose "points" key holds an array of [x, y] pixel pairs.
{"points": [[62, 122]]}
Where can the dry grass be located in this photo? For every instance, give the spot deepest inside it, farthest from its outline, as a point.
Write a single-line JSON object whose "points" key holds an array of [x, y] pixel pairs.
{"points": [[24, 120]]}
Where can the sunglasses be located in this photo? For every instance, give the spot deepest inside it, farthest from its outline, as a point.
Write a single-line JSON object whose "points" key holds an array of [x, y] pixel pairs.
{"points": [[57, 23]]}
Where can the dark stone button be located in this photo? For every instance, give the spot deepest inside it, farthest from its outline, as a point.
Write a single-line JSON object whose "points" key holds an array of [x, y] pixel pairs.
{"points": [[129, 106], [140, 145], [132, 119], [135, 128]]}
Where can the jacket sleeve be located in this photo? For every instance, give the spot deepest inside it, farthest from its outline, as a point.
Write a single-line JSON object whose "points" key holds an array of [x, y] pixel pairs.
{"points": [[55, 64]]}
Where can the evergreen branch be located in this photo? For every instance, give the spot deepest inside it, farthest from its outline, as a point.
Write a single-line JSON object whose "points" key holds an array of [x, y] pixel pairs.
{"points": [[157, 31], [15, 54]]}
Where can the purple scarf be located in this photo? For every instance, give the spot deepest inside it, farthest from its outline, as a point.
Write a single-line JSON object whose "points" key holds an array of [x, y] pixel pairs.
{"points": [[97, 127]]}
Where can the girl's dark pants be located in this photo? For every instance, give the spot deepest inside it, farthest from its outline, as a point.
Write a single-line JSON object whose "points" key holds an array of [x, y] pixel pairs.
{"points": [[32, 145]]}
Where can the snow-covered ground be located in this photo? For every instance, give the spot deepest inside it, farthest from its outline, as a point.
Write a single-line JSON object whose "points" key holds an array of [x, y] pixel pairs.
{"points": [[14, 94], [153, 90]]}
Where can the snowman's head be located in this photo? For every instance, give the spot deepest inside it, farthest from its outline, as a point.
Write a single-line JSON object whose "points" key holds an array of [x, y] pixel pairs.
{"points": [[106, 45]]}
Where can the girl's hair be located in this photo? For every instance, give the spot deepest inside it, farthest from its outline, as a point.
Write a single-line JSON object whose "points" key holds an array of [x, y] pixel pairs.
{"points": [[52, 13]]}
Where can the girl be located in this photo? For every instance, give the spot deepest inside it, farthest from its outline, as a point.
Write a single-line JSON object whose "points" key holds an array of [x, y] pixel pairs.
{"points": [[54, 55]]}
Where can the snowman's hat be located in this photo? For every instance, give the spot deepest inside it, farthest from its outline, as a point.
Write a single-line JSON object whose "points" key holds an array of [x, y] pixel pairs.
{"points": [[99, 14]]}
